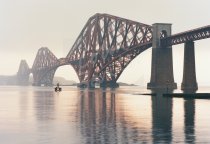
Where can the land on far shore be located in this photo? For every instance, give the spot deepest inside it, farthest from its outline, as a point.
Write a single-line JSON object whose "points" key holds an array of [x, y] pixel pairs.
{"points": [[12, 80], [126, 84]]}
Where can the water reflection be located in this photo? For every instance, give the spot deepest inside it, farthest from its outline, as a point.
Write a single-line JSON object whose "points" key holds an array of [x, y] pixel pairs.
{"points": [[102, 120], [24, 103], [100, 116], [189, 121], [161, 119], [44, 104]]}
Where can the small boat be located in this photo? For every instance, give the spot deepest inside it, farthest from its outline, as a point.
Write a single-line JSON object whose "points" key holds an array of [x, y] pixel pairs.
{"points": [[57, 88]]}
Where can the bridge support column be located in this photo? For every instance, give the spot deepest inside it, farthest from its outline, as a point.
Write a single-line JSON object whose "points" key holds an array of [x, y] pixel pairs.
{"points": [[104, 84], [110, 84], [89, 84], [162, 63], [189, 83]]}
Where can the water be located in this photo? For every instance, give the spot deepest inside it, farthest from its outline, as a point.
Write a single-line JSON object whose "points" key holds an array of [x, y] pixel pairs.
{"points": [[38, 115]]}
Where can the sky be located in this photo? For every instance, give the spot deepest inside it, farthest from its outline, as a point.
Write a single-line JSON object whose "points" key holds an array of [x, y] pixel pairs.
{"points": [[27, 25]]}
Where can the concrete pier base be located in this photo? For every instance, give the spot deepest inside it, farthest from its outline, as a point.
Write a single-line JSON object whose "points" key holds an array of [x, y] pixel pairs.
{"points": [[189, 82]]}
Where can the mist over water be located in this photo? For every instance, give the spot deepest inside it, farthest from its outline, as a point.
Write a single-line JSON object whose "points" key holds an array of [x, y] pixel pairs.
{"points": [[38, 115]]}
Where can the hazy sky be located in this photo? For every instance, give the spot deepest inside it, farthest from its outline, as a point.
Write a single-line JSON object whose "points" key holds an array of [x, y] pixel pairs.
{"points": [[27, 25]]}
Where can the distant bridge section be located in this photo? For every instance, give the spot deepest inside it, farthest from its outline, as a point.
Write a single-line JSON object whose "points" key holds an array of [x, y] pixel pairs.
{"points": [[23, 73], [44, 67]]}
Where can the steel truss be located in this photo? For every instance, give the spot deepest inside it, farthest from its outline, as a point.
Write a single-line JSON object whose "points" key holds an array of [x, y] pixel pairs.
{"points": [[104, 48], [103, 38], [44, 67]]}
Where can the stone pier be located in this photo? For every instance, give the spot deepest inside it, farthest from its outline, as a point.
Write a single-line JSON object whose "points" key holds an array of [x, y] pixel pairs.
{"points": [[189, 82], [162, 62]]}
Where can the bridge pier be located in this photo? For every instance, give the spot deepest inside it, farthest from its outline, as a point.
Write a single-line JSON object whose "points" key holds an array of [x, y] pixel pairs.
{"points": [[162, 63], [103, 84], [89, 85], [189, 82], [110, 84]]}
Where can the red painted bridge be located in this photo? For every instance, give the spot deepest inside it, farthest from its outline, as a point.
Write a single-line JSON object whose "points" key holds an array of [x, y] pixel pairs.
{"points": [[107, 44]]}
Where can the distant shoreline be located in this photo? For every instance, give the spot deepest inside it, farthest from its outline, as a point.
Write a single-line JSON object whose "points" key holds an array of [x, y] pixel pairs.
{"points": [[12, 80]]}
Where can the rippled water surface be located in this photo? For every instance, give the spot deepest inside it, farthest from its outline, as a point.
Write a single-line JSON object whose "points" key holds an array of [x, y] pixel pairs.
{"points": [[38, 115]]}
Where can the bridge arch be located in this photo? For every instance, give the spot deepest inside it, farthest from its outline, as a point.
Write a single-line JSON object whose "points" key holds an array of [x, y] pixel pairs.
{"points": [[114, 68], [46, 77], [138, 70], [68, 73], [45, 66]]}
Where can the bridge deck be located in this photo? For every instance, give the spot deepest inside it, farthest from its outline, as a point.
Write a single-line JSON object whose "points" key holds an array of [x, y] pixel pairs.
{"points": [[190, 35]]}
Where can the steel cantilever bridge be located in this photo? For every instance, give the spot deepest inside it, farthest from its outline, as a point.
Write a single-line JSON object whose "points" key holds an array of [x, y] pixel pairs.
{"points": [[105, 47]]}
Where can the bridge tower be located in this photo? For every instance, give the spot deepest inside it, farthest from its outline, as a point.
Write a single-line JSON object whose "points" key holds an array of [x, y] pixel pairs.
{"points": [[162, 63], [23, 73]]}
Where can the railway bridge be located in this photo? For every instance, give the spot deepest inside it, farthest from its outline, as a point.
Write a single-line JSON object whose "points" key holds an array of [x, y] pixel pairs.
{"points": [[107, 44]]}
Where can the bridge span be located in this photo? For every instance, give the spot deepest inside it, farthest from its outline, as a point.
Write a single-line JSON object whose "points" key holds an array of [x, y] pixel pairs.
{"points": [[107, 44]]}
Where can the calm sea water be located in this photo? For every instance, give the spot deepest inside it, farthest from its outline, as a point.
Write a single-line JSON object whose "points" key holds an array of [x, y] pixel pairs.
{"points": [[38, 115]]}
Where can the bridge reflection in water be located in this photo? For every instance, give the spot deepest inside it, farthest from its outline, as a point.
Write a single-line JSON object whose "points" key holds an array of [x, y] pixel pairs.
{"points": [[105, 117], [39, 115]]}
